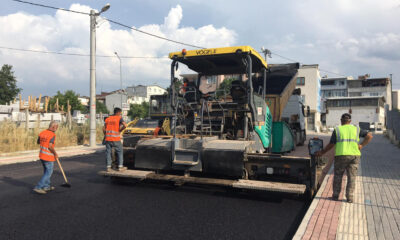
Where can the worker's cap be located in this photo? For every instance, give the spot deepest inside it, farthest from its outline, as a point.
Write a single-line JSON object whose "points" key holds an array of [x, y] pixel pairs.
{"points": [[346, 117]]}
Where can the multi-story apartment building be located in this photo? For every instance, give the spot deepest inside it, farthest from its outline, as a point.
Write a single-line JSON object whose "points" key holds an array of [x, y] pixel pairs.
{"points": [[362, 109], [365, 98], [309, 81], [374, 87], [140, 93]]}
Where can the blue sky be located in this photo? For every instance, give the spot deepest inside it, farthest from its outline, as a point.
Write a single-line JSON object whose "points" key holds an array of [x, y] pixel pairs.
{"points": [[347, 37]]}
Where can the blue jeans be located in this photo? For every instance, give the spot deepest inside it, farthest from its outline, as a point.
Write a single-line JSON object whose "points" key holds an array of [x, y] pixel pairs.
{"points": [[118, 149], [47, 172]]}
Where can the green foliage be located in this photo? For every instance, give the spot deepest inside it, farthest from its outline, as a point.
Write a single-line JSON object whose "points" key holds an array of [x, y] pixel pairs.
{"points": [[63, 100], [8, 84], [178, 85], [101, 107], [139, 110], [225, 87]]}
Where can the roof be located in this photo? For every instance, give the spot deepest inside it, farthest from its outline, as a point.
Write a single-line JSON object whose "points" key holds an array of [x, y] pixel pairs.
{"points": [[220, 61]]}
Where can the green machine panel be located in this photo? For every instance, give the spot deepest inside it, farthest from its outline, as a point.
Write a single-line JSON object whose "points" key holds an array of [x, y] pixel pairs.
{"points": [[282, 138]]}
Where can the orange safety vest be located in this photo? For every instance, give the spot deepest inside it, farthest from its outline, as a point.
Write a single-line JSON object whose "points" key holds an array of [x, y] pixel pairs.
{"points": [[112, 128], [44, 138]]}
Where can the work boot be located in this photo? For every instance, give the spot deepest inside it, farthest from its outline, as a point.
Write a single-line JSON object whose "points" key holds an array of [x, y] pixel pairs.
{"points": [[109, 169], [39, 191], [48, 189], [349, 200], [122, 168]]}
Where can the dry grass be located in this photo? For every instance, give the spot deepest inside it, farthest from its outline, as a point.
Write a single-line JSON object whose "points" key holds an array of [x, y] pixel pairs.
{"points": [[15, 138]]}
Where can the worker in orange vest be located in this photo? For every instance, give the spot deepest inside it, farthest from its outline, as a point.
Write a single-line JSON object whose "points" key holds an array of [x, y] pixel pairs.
{"points": [[47, 156], [113, 126]]}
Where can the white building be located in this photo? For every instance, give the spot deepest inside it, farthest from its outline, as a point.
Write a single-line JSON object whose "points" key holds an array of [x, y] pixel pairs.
{"points": [[138, 94], [309, 81], [362, 109], [84, 100], [371, 87], [396, 99]]}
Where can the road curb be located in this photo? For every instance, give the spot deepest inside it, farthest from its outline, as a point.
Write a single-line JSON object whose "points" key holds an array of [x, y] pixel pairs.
{"points": [[304, 223], [32, 156]]}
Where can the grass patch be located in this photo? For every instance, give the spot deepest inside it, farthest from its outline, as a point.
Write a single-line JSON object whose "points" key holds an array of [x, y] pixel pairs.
{"points": [[15, 138]]}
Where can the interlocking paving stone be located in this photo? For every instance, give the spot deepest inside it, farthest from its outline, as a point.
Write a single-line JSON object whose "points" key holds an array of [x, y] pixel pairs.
{"points": [[375, 212]]}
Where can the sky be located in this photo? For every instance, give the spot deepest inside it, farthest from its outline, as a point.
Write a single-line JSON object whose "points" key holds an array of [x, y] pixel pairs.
{"points": [[349, 38]]}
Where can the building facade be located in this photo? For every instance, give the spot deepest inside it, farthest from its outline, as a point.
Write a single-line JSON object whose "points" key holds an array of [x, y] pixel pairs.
{"points": [[140, 93], [396, 99], [117, 99], [362, 109], [371, 87], [309, 81]]}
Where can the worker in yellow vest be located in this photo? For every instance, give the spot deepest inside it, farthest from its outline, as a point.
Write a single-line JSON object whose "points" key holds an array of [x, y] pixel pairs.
{"points": [[345, 139], [47, 156], [113, 126]]}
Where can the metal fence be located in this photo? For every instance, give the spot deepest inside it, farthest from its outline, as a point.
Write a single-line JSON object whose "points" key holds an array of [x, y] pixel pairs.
{"points": [[393, 123]]}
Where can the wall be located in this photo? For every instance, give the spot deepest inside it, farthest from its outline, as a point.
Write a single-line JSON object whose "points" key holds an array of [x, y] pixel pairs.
{"points": [[396, 99], [359, 114], [311, 91], [205, 87], [114, 100]]}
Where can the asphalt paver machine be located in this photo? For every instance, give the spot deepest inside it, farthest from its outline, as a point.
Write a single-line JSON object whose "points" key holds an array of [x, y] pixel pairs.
{"points": [[221, 139]]}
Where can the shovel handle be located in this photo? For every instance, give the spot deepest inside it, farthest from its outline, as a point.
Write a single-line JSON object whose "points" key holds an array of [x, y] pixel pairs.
{"points": [[62, 170]]}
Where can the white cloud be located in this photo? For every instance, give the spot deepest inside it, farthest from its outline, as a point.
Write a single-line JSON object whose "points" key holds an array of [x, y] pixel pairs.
{"points": [[66, 32]]}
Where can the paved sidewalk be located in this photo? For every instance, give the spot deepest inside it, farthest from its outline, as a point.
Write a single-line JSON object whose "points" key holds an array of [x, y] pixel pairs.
{"points": [[30, 156], [375, 212]]}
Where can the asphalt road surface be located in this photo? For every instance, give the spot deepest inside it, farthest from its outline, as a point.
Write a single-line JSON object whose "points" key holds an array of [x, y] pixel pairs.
{"points": [[97, 208]]}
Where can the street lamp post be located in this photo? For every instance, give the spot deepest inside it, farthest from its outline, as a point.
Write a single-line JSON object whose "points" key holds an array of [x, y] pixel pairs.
{"points": [[120, 74], [93, 16]]}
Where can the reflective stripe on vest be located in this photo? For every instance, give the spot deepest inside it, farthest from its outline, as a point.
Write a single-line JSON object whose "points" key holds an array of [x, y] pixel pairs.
{"points": [[347, 138], [45, 138], [112, 128]]}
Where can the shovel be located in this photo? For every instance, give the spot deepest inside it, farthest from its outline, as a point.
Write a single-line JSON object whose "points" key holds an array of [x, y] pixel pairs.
{"points": [[66, 184]]}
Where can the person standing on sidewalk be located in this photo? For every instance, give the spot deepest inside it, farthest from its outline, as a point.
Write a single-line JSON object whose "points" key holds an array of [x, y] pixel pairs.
{"points": [[345, 139], [47, 156], [113, 126]]}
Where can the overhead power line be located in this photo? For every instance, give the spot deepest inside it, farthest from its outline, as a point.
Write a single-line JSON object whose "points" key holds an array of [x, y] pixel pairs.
{"points": [[112, 21], [322, 70], [77, 54], [153, 35], [47, 6], [137, 30]]}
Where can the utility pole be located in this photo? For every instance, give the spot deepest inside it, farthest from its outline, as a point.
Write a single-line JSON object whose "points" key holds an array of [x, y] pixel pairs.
{"points": [[391, 91], [93, 24], [120, 74]]}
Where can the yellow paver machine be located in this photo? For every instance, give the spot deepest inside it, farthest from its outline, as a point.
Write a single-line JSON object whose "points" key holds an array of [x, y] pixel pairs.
{"points": [[223, 139]]}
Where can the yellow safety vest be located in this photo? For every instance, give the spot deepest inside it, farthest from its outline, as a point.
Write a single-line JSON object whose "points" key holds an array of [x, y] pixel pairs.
{"points": [[347, 138]]}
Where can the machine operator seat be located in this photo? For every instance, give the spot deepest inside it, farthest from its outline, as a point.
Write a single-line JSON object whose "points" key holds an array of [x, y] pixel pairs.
{"points": [[238, 91], [191, 93]]}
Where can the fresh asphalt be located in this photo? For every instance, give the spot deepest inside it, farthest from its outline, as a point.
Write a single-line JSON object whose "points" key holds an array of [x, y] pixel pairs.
{"points": [[98, 208]]}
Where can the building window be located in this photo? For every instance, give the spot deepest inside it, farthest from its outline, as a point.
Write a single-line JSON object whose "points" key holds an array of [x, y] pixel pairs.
{"points": [[211, 79], [301, 81], [375, 94]]}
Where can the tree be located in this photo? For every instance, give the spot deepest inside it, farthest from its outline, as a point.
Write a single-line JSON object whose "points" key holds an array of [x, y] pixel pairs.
{"points": [[178, 85], [225, 87], [8, 84], [63, 100], [139, 110], [101, 107]]}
